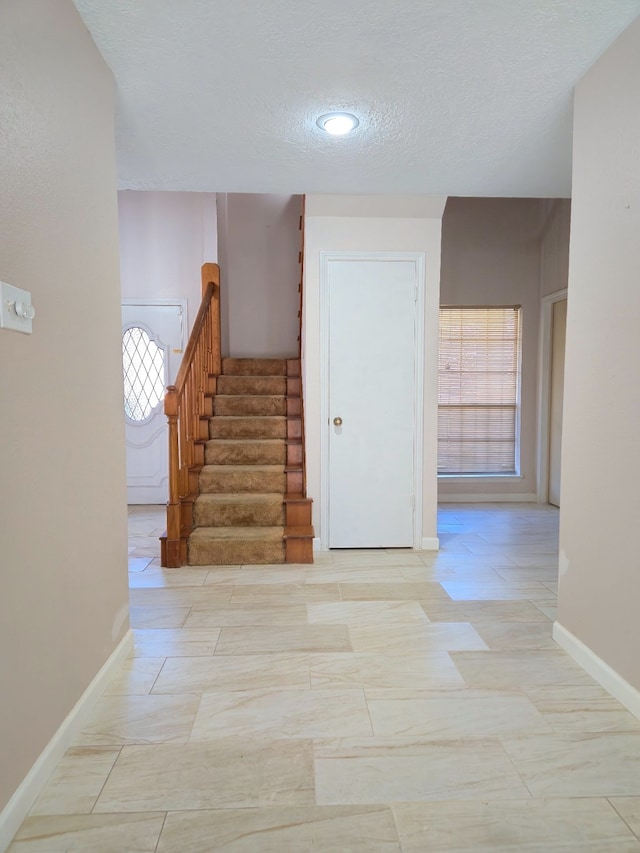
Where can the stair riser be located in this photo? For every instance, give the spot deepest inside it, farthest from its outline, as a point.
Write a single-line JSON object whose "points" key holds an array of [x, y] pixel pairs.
{"points": [[254, 366], [218, 453], [250, 406], [253, 385], [235, 553], [238, 515], [247, 428], [229, 482]]}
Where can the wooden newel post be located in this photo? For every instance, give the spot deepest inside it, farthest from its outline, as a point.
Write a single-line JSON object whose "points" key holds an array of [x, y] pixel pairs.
{"points": [[173, 506]]}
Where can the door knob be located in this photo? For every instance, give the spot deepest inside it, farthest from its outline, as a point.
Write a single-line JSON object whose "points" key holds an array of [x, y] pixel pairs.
{"points": [[337, 421]]}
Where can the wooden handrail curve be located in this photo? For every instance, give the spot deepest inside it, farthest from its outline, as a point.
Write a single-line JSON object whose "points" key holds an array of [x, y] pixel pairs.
{"points": [[188, 406]]}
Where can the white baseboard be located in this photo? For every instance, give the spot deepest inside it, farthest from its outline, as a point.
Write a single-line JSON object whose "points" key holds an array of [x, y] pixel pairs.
{"points": [[430, 543], [598, 669], [317, 544], [18, 806], [528, 497]]}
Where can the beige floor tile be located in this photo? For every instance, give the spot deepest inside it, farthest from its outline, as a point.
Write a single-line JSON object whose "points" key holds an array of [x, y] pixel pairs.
{"points": [[137, 564], [582, 709], [482, 611], [548, 608], [275, 714], [265, 639], [175, 642], [136, 676], [121, 720], [512, 826], [506, 670], [108, 833], [265, 594], [182, 596], [231, 615], [233, 672], [455, 715], [461, 573], [158, 617], [76, 782], [501, 591], [426, 670], [426, 591], [540, 574], [578, 765], [373, 558], [303, 829], [154, 577], [629, 809], [391, 770], [364, 574], [224, 774], [365, 613], [243, 576], [517, 636], [428, 636]]}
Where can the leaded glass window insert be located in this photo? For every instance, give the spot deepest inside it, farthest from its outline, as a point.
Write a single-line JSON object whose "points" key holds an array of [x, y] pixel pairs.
{"points": [[143, 368]]}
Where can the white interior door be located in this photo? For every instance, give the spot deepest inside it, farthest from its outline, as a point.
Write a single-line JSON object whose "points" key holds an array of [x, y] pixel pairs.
{"points": [[558, 337], [152, 344], [372, 313]]}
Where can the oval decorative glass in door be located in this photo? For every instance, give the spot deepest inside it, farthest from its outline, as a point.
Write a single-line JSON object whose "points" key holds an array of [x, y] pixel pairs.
{"points": [[143, 365]]}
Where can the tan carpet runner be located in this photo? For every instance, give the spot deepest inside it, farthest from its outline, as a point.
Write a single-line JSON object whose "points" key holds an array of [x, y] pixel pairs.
{"points": [[239, 516]]}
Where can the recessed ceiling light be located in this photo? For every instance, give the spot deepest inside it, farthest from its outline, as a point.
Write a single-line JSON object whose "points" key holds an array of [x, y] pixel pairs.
{"points": [[338, 124]]}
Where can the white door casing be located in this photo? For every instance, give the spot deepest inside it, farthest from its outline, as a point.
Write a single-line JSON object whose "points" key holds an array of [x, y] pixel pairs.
{"points": [[163, 325], [544, 391], [372, 337], [558, 339]]}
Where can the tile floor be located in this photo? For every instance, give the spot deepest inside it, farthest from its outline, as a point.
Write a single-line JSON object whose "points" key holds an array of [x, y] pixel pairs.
{"points": [[375, 701]]}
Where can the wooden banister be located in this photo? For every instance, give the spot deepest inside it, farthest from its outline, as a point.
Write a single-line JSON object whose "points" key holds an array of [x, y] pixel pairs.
{"points": [[188, 406]]}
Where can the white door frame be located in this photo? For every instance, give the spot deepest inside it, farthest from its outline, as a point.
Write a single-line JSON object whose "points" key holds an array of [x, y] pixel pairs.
{"points": [[418, 258], [544, 391]]}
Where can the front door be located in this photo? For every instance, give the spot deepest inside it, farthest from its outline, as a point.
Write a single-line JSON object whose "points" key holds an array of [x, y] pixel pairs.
{"points": [[372, 313], [152, 344]]}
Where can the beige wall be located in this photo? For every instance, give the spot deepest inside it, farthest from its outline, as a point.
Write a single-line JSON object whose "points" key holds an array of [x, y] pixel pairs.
{"points": [[371, 224], [262, 239], [554, 248], [491, 256], [64, 604], [599, 577], [165, 237]]}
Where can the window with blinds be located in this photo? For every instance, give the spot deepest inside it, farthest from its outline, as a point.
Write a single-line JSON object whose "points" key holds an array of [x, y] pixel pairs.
{"points": [[478, 390]]}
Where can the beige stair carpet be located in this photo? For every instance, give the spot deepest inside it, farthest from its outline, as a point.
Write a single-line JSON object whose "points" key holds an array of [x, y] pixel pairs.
{"points": [[239, 515]]}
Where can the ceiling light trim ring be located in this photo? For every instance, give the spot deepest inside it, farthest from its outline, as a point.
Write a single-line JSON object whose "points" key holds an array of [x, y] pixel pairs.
{"points": [[338, 123]]}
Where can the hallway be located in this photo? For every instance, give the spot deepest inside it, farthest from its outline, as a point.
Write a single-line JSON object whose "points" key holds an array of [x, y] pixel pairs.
{"points": [[374, 701]]}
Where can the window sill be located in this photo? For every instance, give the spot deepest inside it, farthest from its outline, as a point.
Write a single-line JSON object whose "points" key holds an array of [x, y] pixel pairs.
{"points": [[478, 478]]}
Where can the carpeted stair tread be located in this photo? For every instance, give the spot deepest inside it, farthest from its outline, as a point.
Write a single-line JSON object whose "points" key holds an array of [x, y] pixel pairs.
{"points": [[255, 385], [228, 546], [254, 366], [247, 427], [242, 478], [238, 498], [252, 509], [255, 534], [245, 451], [249, 405]]}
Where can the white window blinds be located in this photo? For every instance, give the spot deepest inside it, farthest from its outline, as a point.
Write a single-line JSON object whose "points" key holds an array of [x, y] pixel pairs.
{"points": [[478, 390]]}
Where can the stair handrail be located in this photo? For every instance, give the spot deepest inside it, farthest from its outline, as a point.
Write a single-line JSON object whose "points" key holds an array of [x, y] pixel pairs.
{"points": [[188, 406]]}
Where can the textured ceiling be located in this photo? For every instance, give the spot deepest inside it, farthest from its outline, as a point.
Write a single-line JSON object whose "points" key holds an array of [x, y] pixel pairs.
{"points": [[455, 97]]}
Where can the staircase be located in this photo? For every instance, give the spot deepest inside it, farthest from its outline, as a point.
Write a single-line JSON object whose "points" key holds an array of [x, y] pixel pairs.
{"points": [[251, 506]]}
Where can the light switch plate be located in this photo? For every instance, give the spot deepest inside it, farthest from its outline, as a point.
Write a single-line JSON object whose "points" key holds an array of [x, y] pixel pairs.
{"points": [[9, 319]]}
